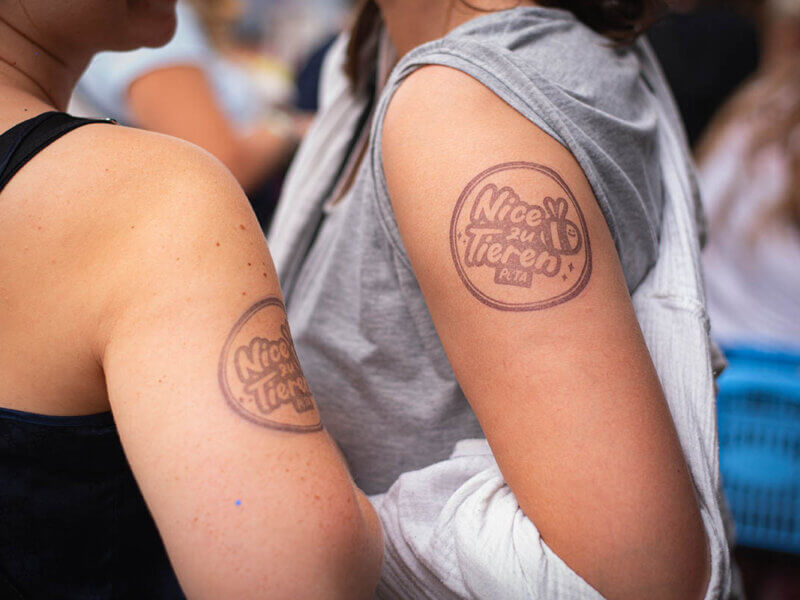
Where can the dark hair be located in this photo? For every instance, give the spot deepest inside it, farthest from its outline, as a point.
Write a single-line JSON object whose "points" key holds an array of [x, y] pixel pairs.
{"points": [[362, 49], [621, 21]]}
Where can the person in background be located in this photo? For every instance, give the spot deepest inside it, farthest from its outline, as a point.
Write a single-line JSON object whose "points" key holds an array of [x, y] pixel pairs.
{"points": [[749, 173], [156, 428], [750, 177], [189, 89], [459, 239], [706, 48]]}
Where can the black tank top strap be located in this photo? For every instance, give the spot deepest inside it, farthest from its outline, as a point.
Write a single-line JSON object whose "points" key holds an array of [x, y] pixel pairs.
{"points": [[22, 142], [73, 522]]}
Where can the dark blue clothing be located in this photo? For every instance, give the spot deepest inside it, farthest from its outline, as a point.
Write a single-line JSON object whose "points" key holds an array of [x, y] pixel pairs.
{"points": [[308, 77], [73, 524]]}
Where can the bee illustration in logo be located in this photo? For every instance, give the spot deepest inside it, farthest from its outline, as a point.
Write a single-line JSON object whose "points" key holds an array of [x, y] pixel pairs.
{"points": [[559, 235]]}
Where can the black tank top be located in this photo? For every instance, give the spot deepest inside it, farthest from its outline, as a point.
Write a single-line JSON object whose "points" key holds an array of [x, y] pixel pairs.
{"points": [[73, 524]]}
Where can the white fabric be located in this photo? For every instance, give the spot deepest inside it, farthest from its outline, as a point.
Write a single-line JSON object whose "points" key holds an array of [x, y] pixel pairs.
{"points": [[752, 279], [330, 132], [454, 529]]}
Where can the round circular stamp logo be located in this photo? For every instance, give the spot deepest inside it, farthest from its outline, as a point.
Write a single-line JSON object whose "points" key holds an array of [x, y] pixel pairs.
{"points": [[260, 375], [519, 239]]}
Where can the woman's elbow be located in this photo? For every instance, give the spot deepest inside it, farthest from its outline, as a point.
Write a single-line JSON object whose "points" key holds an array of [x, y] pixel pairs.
{"points": [[354, 554], [686, 561], [675, 569], [366, 556], [698, 566]]}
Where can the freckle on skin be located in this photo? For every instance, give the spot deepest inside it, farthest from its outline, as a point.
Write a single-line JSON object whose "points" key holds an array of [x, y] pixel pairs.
{"points": [[242, 227], [264, 274], [217, 243], [244, 293], [249, 264]]}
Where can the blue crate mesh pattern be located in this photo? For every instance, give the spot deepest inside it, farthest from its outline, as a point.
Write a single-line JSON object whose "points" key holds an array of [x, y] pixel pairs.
{"points": [[758, 409]]}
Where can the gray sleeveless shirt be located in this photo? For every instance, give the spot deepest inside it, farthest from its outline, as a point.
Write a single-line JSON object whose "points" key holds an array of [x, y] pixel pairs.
{"points": [[362, 329]]}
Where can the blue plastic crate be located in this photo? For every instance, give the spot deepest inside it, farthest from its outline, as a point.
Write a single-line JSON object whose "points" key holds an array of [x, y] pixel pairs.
{"points": [[758, 410]]}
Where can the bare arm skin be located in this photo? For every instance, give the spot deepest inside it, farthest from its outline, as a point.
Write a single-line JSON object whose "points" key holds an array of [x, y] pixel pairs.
{"points": [[161, 292], [251, 496], [526, 291], [175, 99]]}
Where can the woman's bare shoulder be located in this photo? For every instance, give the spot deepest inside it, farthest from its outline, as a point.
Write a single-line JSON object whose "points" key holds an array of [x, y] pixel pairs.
{"points": [[148, 188], [102, 180], [127, 161], [102, 219], [103, 200]]}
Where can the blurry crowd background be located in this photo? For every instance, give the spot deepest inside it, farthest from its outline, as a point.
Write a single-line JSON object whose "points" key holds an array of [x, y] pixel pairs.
{"points": [[240, 79]]}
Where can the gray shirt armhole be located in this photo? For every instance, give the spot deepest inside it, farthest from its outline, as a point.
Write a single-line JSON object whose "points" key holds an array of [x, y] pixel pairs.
{"points": [[476, 61]]}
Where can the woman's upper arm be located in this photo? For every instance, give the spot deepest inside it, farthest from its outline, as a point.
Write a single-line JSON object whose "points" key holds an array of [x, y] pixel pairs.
{"points": [[526, 291], [248, 491]]}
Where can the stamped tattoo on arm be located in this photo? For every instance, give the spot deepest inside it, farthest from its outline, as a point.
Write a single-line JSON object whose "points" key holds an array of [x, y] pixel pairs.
{"points": [[260, 375], [521, 246]]}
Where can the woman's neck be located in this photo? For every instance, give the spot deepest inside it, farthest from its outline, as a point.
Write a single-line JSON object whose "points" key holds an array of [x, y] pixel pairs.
{"points": [[411, 23], [29, 71]]}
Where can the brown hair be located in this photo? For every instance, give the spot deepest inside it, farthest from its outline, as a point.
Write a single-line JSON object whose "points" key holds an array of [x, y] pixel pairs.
{"points": [[217, 17], [771, 103], [621, 21]]}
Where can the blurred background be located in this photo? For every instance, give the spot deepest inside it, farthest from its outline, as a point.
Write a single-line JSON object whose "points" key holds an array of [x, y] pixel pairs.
{"points": [[240, 78], [734, 68]]}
